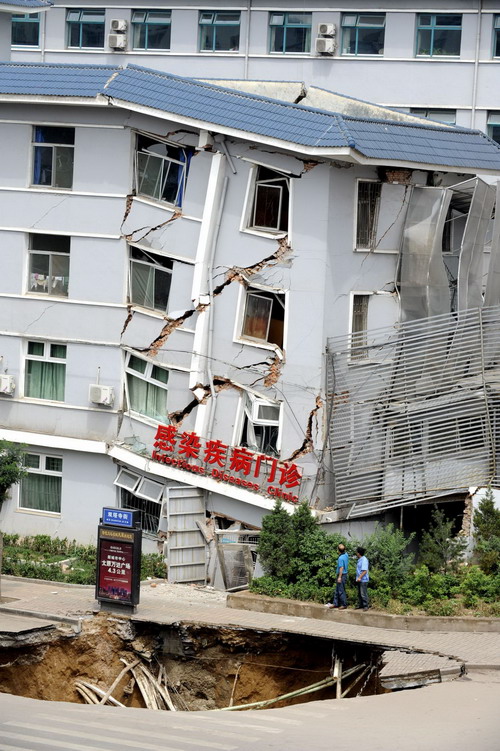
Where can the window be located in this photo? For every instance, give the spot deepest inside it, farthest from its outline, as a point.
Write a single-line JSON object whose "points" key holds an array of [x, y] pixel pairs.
{"points": [[150, 279], [45, 371], [151, 29], [161, 170], [146, 388], [260, 430], [149, 511], [264, 316], [85, 28], [442, 116], [49, 264], [363, 33], [41, 488], [270, 203], [367, 213], [496, 36], [25, 29], [53, 162], [219, 31], [359, 326], [439, 34], [494, 126], [290, 32]]}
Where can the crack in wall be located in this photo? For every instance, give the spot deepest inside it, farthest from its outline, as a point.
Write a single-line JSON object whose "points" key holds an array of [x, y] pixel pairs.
{"points": [[238, 273], [275, 368], [219, 384], [307, 444], [130, 315], [129, 202], [171, 325], [130, 236]]}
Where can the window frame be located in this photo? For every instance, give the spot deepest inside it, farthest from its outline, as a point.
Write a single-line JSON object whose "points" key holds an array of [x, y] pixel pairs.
{"points": [[427, 111], [148, 378], [374, 219], [25, 18], [361, 356], [493, 115], [289, 25], [181, 180], [50, 276], [249, 406], [153, 265], [41, 472], [356, 26], [254, 183], [80, 22], [215, 24], [147, 24], [249, 291], [432, 26], [54, 146], [47, 357], [495, 37]]}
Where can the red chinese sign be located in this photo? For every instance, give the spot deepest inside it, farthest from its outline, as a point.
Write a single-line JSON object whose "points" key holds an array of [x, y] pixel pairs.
{"points": [[235, 465], [115, 570]]}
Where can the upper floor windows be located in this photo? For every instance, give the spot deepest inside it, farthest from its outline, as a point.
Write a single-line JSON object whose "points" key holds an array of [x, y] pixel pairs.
{"points": [[85, 27], [146, 388], [290, 32], [261, 424], [150, 279], [442, 116], [45, 371], [49, 264], [439, 34], [25, 29], [53, 161], [496, 36], [270, 201], [161, 170], [363, 33], [367, 213], [264, 316], [151, 29], [219, 31], [494, 126]]}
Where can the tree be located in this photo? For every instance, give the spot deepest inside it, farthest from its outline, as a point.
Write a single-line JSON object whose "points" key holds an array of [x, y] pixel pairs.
{"points": [[11, 466], [486, 521], [276, 547], [386, 550], [439, 548]]}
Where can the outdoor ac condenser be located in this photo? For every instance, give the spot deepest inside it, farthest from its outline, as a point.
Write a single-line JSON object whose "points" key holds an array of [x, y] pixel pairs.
{"points": [[118, 24], [327, 29], [117, 41], [104, 395], [7, 384], [325, 46]]}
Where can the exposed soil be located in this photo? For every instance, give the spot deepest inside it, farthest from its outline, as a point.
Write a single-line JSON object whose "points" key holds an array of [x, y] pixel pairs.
{"points": [[207, 668]]}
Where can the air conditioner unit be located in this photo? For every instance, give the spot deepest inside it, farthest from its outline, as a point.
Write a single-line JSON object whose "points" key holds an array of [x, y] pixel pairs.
{"points": [[327, 29], [101, 394], [325, 46], [118, 24], [7, 384], [117, 41]]}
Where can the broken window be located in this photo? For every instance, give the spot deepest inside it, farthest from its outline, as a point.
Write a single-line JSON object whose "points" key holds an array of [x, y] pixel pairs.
{"points": [[42, 485], [368, 207], [53, 161], [264, 316], [45, 371], [149, 511], [150, 279], [219, 31], [290, 32], [271, 200], [363, 33], [25, 29], [85, 27], [161, 170], [260, 430], [439, 34], [359, 326], [440, 115], [49, 264], [146, 388], [151, 29]]}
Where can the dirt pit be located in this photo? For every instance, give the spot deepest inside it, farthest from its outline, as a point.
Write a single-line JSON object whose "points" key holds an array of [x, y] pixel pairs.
{"points": [[196, 667]]}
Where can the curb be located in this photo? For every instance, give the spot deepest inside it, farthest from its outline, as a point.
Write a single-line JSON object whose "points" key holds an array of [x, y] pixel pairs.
{"points": [[75, 622]]}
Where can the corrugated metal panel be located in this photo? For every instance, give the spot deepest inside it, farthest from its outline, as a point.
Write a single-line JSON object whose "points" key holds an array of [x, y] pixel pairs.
{"points": [[414, 415], [185, 547]]}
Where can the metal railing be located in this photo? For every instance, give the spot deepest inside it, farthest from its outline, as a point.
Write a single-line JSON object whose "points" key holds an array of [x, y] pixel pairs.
{"points": [[414, 415]]}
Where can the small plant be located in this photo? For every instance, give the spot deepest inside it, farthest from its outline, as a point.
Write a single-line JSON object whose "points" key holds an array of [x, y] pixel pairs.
{"points": [[439, 549], [387, 550]]}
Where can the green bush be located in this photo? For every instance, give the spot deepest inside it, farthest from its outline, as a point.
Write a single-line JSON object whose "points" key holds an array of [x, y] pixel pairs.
{"points": [[387, 551], [270, 586], [154, 566], [440, 551], [487, 534], [476, 586]]}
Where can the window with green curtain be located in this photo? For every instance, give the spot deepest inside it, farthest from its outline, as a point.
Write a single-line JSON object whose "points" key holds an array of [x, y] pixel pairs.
{"points": [[45, 371], [41, 487], [147, 388]]}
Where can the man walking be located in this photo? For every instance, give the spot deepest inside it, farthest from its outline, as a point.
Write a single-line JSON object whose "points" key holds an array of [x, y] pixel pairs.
{"points": [[362, 578], [340, 597]]}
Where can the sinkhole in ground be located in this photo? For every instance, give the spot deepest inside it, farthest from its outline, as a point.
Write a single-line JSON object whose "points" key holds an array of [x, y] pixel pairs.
{"points": [[205, 667]]}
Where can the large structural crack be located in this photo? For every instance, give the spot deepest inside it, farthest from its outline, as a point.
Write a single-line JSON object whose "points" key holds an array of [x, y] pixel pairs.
{"points": [[307, 444], [219, 384]]}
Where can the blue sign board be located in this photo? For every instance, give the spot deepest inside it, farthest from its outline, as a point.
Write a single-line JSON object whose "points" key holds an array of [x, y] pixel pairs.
{"points": [[118, 517]]}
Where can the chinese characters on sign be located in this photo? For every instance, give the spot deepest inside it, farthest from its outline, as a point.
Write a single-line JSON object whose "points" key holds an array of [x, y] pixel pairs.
{"points": [[117, 518], [115, 570], [229, 464]]}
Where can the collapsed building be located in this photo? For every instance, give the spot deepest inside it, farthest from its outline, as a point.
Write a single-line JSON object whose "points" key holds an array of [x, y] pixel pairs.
{"points": [[212, 299]]}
